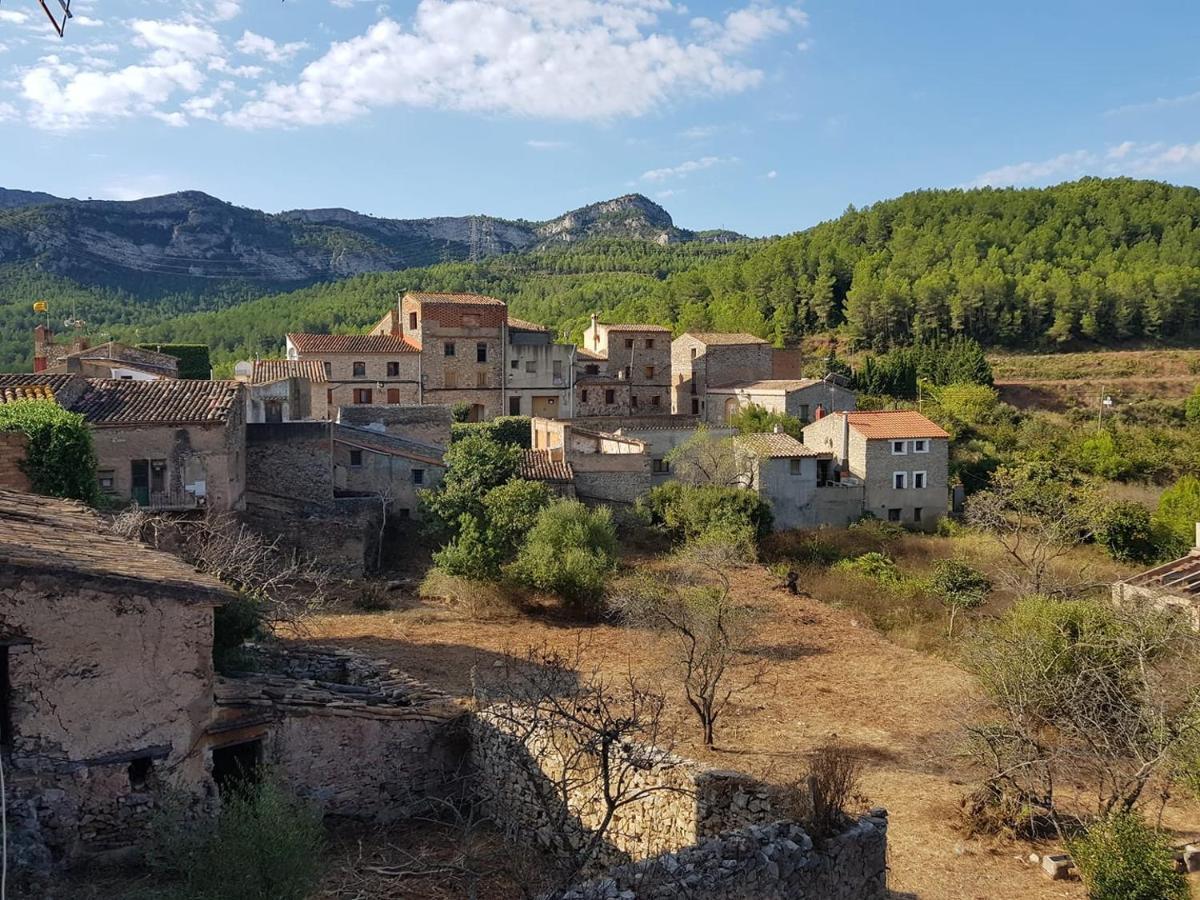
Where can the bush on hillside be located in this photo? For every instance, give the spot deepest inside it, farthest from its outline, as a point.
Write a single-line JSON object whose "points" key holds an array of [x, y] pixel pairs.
{"points": [[60, 459], [1177, 514], [513, 430], [1121, 857], [1126, 530], [686, 511], [569, 552]]}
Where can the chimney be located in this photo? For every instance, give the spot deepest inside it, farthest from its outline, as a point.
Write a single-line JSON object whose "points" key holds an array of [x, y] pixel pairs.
{"points": [[818, 413], [777, 429], [845, 439], [43, 338]]}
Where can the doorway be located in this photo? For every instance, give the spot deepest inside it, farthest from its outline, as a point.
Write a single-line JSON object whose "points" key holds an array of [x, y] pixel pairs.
{"points": [[236, 764], [139, 481]]}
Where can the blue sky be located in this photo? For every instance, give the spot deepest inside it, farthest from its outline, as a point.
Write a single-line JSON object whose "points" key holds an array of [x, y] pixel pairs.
{"points": [[759, 115]]}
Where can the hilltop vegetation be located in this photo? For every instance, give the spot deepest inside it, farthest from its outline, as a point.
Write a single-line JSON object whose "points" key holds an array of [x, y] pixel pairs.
{"points": [[1101, 261]]}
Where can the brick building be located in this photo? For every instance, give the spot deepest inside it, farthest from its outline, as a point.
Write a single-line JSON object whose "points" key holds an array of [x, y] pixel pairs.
{"points": [[900, 457], [639, 355], [362, 369]]}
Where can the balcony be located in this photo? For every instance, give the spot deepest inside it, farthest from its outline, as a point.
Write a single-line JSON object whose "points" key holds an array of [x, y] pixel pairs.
{"points": [[166, 500]]}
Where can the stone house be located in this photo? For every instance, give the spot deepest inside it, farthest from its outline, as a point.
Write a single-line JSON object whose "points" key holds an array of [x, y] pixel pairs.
{"points": [[700, 359], [783, 472], [423, 424], [284, 390], [63, 389], [605, 468], [543, 466], [804, 398], [377, 464], [900, 458], [1173, 585], [602, 395], [90, 721], [168, 444], [539, 373], [638, 354], [362, 369], [113, 360], [660, 434]]}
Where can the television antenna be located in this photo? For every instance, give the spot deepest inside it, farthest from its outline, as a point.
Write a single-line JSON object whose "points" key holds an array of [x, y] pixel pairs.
{"points": [[60, 24]]}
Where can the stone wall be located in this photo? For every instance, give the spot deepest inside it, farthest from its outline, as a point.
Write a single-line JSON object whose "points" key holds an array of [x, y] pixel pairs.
{"points": [[290, 459], [423, 424], [341, 534], [13, 446], [592, 395], [761, 862]]}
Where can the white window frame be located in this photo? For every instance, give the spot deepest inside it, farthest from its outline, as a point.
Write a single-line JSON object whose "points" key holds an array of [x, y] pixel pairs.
{"points": [[899, 481], [903, 445], [921, 477], [921, 445]]}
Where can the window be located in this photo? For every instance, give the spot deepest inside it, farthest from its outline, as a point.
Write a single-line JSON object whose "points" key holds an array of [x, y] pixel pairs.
{"points": [[633, 401], [793, 467], [920, 446], [918, 480], [107, 479], [916, 514], [359, 369], [654, 400], [803, 412], [448, 348], [610, 396], [514, 406], [660, 466], [481, 379], [328, 369], [393, 370], [531, 366], [591, 369], [418, 476], [628, 372], [481, 352], [393, 395], [649, 343], [649, 370], [356, 459], [899, 480], [693, 353], [893, 515], [628, 343], [583, 396], [556, 370], [695, 406], [236, 764], [362, 395], [139, 771], [412, 321], [898, 448]]}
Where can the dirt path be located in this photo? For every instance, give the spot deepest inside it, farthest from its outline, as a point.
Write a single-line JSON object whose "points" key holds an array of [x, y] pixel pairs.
{"points": [[898, 709]]}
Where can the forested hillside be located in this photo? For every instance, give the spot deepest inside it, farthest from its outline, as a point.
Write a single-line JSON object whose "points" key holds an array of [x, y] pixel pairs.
{"points": [[1093, 261]]}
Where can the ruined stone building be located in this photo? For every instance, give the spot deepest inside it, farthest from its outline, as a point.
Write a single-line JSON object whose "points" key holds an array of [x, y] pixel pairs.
{"points": [[660, 434], [900, 458], [362, 369], [377, 464], [112, 360], [604, 467], [638, 356], [284, 390], [164, 443], [1173, 585]]}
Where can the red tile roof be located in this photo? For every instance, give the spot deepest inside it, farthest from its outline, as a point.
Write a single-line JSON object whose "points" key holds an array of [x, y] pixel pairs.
{"points": [[767, 385], [522, 325], [894, 424], [36, 386], [264, 371], [629, 327], [440, 297], [773, 446], [536, 465], [352, 343], [167, 401]]}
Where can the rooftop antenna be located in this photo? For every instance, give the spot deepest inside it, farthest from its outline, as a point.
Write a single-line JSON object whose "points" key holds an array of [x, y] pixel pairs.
{"points": [[60, 25]]}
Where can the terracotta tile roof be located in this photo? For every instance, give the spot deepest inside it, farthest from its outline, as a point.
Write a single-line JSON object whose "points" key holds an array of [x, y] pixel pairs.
{"points": [[116, 401], [536, 465], [718, 338], [440, 297], [773, 446], [264, 371], [585, 353], [1180, 577], [64, 539], [380, 442], [352, 343], [133, 357], [766, 385], [894, 424], [38, 386], [632, 327], [523, 325]]}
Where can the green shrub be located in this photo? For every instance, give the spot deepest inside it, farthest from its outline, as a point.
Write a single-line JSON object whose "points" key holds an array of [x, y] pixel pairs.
{"points": [[1123, 858], [234, 623], [513, 430], [60, 459], [1177, 514], [1126, 531], [469, 554], [569, 552], [511, 511], [686, 511], [876, 566], [1191, 407], [960, 586], [459, 412], [193, 359], [755, 419], [264, 844]]}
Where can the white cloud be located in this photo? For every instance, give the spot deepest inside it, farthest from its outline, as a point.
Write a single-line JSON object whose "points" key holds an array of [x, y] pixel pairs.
{"points": [[257, 45], [13, 16], [1141, 160], [684, 169], [772, 175], [1155, 104], [224, 10], [699, 132], [553, 59], [667, 194], [86, 22], [547, 145], [175, 41]]}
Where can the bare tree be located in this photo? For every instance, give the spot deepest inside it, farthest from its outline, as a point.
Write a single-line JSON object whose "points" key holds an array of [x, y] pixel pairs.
{"points": [[583, 748], [1037, 519], [708, 631], [289, 586], [706, 459]]}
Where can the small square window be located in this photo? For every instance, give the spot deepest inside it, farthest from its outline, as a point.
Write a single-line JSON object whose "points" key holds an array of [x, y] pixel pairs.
{"points": [[591, 369], [920, 446], [918, 480], [418, 476], [140, 770], [649, 370], [359, 369], [693, 353], [660, 466], [628, 343], [898, 448], [393, 370], [793, 467], [412, 321], [893, 515], [107, 479], [448, 348], [916, 514], [531, 366], [633, 401], [654, 401], [649, 343], [516, 364], [899, 480], [803, 412], [362, 395], [356, 459]]}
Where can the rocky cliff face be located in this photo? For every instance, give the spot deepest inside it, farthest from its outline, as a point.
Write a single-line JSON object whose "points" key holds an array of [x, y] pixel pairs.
{"points": [[191, 236]]}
